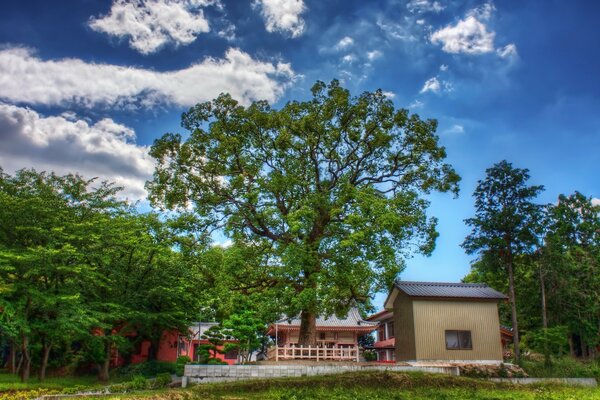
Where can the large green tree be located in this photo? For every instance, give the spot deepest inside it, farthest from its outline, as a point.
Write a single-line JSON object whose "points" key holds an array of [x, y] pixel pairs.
{"points": [[332, 187], [506, 225]]}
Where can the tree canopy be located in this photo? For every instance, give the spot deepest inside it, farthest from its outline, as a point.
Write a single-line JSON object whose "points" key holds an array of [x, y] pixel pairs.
{"points": [[330, 190], [506, 224]]}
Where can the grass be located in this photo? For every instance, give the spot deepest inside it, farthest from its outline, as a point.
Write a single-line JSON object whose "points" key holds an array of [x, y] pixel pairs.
{"points": [[565, 367], [370, 386], [12, 382]]}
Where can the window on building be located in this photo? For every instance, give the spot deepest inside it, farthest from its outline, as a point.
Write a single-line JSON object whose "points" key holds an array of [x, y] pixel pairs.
{"points": [[458, 340], [381, 333], [390, 329]]}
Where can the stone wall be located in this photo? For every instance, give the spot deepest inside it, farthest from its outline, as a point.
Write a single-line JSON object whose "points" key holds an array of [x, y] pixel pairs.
{"points": [[223, 373]]}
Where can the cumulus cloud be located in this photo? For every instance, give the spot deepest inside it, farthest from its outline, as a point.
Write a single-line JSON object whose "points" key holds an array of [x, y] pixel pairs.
{"points": [[26, 78], [151, 24], [420, 6], [65, 144], [436, 86], [469, 36], [373, 55], [431, 85], [344, 43], [389, 95], [282, 15], [443, 68]]}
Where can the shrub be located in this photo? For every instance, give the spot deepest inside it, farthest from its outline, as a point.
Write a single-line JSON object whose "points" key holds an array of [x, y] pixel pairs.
{"points": [[139, 382], [148, 369], [162, 380], [370, 355], [216, 361], [180, 364]]}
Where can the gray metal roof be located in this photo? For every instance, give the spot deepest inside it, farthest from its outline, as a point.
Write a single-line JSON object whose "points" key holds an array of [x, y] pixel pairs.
{"points": [[444, 289], [353, 319]]}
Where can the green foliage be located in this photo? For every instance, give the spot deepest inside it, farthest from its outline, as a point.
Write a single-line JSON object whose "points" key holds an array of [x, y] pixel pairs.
{"points": [[162, 380], [330, 190], [180, 364], [563, 367], [370, 355], [247, 329], [139, 382], [505, 226], [549, 341], [147, 369]]}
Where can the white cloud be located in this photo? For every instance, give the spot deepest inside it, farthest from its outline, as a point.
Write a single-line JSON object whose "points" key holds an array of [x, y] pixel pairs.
{"points": [[420, 22], [389, 95], [416, 104], [349, 58], [28, 79], [455, 129], [227, 32], [508, 51], [483, 12], [344, 43], [65, 144], [420, 6], [283, 15], [436, 86], [373, 55], [595, 202], [152, 24], [397, 31], [469, 36], [431, 85], [443, 67]]}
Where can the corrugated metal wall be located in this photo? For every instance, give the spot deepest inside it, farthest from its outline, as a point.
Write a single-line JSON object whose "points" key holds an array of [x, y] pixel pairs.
{"points": [[404, 329], [432, 318]]}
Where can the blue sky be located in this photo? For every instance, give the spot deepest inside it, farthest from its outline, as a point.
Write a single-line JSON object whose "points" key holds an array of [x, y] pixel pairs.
{"points": [[87, 85]]}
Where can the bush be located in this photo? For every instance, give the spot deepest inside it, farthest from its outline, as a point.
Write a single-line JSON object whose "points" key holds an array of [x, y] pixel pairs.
{"points": [[369, 355], [563, 367], [148, 369], [216, 361], [180, 364], [138, 382], [162, 380]]}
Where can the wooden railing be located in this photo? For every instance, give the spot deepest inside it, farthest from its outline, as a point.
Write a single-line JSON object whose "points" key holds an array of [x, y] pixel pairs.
{"points": [[318, 353]]}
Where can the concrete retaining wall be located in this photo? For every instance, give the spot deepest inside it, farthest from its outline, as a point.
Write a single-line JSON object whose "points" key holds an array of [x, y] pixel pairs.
{"points": [[223, 373], [589, 382]]}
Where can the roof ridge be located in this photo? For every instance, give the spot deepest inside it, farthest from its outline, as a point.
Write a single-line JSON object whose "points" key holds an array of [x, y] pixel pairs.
{"points": [[424, 283]]}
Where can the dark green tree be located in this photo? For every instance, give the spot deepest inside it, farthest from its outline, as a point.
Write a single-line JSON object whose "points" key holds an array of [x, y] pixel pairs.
{"points": [[505, 225], [330, 188]]}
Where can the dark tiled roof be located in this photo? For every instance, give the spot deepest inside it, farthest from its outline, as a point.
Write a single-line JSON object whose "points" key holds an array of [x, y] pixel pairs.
{"points": [[443, 289], [353, 319]]}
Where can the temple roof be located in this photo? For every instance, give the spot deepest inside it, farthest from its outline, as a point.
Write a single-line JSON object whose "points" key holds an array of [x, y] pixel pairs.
{"points": [[352, 320]]}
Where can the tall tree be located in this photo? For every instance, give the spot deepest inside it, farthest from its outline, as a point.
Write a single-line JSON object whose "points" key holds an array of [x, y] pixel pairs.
{"points": [[572, 259], [506, 224], [333, 188]]}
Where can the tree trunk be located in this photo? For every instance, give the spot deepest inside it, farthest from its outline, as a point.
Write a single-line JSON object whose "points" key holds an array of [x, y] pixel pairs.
{"points": [[105, 366], [571, 346], [584, 347], [308, 328], [45, 355], [513, 308], [153, 349], [26, 367], [13, 357], [544, 309]]}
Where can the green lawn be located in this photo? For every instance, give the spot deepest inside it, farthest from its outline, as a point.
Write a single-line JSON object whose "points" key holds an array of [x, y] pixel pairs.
{"points": [[371, 386], [11, 386]]}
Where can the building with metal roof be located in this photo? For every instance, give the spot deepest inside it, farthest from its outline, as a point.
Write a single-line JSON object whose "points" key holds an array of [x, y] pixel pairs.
{"points": [[439, 321]]}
